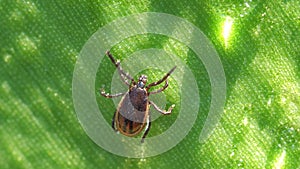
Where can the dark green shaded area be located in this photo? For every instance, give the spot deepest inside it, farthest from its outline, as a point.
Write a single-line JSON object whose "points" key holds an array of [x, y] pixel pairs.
{"points": [[260, 126]]}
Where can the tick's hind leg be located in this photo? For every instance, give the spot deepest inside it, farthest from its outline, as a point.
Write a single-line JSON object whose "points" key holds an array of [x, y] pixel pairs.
{"points": [[113, 122], [160, 110], [124, 76], [148, 126]]}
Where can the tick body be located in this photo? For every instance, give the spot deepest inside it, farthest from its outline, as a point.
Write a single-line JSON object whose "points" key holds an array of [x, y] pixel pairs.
{"points": [[132, 114]]}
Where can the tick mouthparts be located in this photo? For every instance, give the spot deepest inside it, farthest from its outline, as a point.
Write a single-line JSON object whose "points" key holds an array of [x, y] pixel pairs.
{"points": [[141, 84]]}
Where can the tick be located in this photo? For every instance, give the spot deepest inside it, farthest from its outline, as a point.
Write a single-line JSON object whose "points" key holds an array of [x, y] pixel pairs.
{"points": [[132, 114]]}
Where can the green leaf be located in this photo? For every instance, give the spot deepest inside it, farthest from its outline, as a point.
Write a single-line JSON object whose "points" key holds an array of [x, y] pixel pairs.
{"points": [[258, 44]]}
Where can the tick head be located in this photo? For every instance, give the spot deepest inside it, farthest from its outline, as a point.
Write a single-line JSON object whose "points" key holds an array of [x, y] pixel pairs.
{"points": [[142, 81]]}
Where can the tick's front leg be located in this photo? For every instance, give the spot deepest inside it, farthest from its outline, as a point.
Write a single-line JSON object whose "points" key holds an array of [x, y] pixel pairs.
{"points": [[161, 80], [161, 89], [162, 111], [107, 95], [124, 76]]}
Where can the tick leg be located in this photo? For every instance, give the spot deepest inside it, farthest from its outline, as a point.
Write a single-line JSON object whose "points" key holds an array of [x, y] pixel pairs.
{"points": [[162, 111], [148, 126], [124, 76], [162, 79], [161, 89], [107, 95], [113, 122]]}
